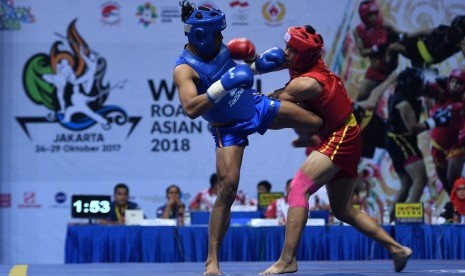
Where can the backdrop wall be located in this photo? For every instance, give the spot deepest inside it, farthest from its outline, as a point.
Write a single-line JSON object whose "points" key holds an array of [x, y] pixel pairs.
{"points": [[134, 130]]}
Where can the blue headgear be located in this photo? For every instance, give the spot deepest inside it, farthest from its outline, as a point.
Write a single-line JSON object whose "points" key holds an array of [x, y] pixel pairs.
{"points": [[201, 27]]}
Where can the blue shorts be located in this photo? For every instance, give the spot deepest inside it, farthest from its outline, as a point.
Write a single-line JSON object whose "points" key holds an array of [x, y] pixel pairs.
{"points": [[232, 134]]}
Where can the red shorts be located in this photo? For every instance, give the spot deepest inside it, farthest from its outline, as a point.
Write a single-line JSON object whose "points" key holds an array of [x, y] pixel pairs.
{"points": [[344, 148]]}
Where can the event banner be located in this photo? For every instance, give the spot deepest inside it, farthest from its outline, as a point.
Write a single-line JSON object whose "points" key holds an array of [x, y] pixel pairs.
{"points": [[88, 101]]}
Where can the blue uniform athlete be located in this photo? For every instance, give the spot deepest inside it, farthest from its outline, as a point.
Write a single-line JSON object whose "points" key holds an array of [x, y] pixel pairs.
{"points": [[210, 84]]}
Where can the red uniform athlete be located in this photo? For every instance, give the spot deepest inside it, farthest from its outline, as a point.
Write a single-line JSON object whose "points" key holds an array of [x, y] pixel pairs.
{"points": [[335, 160], [373, 38], [448, 154]]}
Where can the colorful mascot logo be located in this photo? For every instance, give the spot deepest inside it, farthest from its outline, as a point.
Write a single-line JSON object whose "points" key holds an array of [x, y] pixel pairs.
{"points": [[147, 13], [69, 83]]}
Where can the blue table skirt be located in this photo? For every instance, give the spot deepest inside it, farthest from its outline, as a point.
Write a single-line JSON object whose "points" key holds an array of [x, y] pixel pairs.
{"points": [[93, 243]]}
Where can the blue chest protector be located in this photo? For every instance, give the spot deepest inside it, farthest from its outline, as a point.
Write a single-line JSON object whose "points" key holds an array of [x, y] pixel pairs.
{"points": [[237, 105]]}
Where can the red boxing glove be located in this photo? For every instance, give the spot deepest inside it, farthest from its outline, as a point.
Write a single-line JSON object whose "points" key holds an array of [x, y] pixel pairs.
{"points": [[242, 48]]}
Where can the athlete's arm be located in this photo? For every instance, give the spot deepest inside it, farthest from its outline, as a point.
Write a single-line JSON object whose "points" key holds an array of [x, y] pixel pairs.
{"points": [[300, 89], [409, 118], [193, 104], [364, 52], [378, 92]]}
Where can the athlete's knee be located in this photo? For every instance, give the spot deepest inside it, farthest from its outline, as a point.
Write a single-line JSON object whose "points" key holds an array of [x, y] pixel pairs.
{"points": [[301, 186], [227, 191], [343, 214]]}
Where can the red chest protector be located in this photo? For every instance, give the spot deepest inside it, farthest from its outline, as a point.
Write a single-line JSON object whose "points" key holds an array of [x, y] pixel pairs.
{"points": [[372, 36], [333, 105]]}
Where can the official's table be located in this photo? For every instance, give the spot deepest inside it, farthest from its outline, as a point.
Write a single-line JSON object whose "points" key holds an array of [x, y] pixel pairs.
{"points": [[97, 243]]}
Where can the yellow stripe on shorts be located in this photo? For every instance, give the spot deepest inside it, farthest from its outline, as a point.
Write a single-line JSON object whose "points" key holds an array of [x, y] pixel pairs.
{"points": [[424, 53]]}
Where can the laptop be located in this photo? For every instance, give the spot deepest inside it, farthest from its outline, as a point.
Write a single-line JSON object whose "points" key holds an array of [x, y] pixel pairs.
{"points": [[133, 217]]}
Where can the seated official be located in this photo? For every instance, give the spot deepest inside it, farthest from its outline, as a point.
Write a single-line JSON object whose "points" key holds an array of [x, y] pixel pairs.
{"points": [[174, 208], [455, 208], [119, 205], [205, 199], [263, 186]]}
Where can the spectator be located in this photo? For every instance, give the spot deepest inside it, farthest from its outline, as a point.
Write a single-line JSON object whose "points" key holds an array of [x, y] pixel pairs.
{"points": [[454, 210], [119, 205], [278, 208], [264, 186], [205, 199], [174, 208]]}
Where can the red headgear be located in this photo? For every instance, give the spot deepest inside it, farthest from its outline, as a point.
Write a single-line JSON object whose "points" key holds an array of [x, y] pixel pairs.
{"points": [[367, 7], [307, 43], [458, 74], [459, 204]]}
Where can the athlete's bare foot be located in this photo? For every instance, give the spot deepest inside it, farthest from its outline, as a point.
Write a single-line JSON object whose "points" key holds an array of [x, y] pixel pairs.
{"points": [[401, 257], [281, 267], [212, 268]]}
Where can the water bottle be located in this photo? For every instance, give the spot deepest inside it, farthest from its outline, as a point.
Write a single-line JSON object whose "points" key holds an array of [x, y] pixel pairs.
{"points": [[187, 217], [386, 216], [428, 213], [434, 215], [280, 217]]}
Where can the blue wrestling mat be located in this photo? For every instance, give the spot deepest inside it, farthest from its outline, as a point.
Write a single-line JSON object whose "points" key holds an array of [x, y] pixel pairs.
{"points": [[346, 268]]}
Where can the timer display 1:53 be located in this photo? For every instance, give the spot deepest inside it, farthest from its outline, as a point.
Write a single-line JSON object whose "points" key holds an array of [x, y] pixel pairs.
{"points": [[90, 206]]}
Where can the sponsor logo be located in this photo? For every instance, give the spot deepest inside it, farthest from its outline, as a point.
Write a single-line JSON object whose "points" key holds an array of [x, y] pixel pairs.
{"points": [[240, 13], [147, 13], [273, 12], [5, 200], [170, 13], [207, 4], [12, 17], [29, 201], [60, 197], [60, 201], [110, 12]]}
